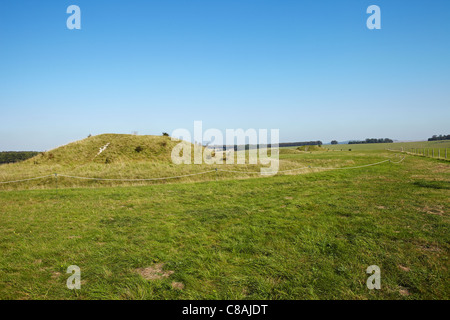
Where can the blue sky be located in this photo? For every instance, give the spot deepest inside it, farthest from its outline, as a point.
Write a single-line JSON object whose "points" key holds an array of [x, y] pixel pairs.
{"points": [[309, 68]]}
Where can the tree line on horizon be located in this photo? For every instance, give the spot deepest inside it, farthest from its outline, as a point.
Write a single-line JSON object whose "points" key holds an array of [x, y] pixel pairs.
{"points": [[371, 140], [16, 156], [280, 145], [439, 137]]}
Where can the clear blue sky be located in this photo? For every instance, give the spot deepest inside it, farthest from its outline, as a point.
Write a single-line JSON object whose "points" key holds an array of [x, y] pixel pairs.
{"points": [[309, 68]]}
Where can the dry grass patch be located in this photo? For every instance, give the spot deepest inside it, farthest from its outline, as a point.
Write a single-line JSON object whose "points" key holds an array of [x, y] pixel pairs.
{"points": [[441, 168], [403, 268], [154, 272], [178, 285], [404, 291], [437, 210], [430, 248]]}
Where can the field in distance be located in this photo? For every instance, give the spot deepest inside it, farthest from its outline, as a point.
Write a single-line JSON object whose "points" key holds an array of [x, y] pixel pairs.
{"points": [[395, 145]]}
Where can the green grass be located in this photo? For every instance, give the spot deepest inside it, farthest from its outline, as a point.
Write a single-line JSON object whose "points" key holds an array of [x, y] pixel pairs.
{"points": [[306, 236]]}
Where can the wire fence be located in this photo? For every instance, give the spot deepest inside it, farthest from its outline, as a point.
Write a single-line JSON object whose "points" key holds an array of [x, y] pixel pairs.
{"points": [[23, 180], [437, 153], [56, 175]]}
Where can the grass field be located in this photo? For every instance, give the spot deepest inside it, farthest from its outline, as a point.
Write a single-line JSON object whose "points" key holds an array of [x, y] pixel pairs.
{"points": [[436, 145], [304, 235]]}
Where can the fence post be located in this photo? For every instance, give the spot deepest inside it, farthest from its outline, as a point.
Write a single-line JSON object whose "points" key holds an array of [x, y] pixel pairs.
{"points": [[56, 179], [445, 153], [439, 153], [433, 153]]}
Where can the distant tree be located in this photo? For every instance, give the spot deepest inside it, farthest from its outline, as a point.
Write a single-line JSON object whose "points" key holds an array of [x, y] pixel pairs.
{"points": [[334, 142], [165, 134], [90, 135]]}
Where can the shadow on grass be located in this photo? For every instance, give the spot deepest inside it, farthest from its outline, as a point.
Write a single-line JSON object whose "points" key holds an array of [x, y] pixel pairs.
{"points": [[433, 184]]}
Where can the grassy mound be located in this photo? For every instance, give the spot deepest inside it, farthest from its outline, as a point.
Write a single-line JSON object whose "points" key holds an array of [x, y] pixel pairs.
{"points": [[110, 148], [310, 148]]}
